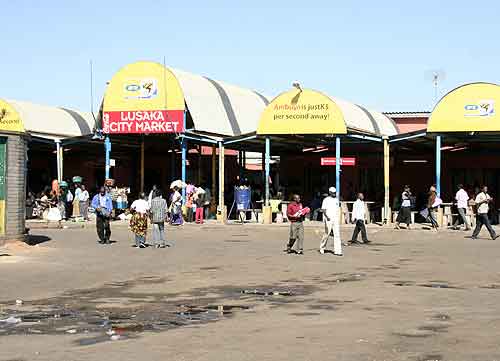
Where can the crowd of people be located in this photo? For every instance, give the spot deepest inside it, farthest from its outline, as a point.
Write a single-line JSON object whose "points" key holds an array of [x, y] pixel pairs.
{"points": [[63, 201]]}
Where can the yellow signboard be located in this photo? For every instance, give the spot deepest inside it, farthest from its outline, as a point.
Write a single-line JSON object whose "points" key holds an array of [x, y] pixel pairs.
{"points": [[9, 118], [302, 111], [143, 97], [469, 108]]}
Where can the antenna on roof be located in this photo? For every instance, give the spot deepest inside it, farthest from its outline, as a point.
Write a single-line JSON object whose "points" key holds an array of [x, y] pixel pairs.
{"points": [[436, 76], [92, 89]]}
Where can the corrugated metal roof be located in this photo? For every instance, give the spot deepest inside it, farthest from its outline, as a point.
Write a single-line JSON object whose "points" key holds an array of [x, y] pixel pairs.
{"points": [[53, 122]]}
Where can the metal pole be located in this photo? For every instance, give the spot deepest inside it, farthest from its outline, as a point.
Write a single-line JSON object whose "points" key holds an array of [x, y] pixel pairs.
{"points": [[214, 167], [221, 177], [337, 165], [58, 160], [268, 163], [107, 148], [386, 180], [142, 164], [438, 165], [184, 146]]}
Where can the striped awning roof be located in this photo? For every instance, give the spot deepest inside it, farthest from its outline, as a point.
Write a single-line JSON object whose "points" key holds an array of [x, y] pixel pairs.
{"points": [[53, 122], [220, 108]]}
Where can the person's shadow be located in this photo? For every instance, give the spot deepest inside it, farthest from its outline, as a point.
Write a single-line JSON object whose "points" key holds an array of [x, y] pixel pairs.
{"points": [[33, 240]]}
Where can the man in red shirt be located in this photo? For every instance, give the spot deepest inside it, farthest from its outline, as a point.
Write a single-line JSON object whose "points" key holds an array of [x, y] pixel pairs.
{"points": [[296, 213]]}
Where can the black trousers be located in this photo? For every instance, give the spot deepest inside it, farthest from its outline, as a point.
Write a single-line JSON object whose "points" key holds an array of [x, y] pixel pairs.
{"points": [[103, 228], [482, 219], [360, 226]]}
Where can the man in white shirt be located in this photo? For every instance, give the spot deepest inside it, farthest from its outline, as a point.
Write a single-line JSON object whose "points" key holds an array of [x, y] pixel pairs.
{"points": [[83, 198], [462, 199], [359, 216], [482, 201], [331, 217]]}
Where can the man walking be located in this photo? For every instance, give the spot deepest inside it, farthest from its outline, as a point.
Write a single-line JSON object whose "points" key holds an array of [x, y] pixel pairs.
{"points": [[331, 218], [158, 215], [103, 207], [296, 215], [462, 198], [482, 201], [359, 216]]}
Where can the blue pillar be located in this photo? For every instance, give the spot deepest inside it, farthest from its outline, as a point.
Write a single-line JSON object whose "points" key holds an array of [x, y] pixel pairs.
{"points": [[438, 165], [337, 165], [184, 146], [268, 163], [107, 147]]}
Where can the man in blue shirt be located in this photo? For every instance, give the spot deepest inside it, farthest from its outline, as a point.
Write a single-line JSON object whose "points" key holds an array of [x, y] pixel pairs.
{"points": [[103, 207]]}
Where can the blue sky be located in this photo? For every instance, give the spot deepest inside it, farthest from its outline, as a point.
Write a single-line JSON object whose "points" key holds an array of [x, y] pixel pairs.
{"points": [[375, 53]]}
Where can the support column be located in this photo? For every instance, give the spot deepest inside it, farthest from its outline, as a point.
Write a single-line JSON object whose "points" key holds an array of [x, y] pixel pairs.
{"points": [[200, 158], [107, 148], [337, 166], [438, 165], [58, 161], [221, 209], [142, 164], [387, 216], [266, 210], [184, 146], [214, 175]]}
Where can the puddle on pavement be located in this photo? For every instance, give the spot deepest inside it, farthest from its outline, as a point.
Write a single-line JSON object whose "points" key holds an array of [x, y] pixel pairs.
{"points": [[429, 357], [439, 285], [401, 283], [114, 312]]}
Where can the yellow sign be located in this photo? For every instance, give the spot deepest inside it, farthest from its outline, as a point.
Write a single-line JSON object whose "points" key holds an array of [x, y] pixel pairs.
{"points": [[302, 111], [9, 118], [143, 86], [143, 97], [2, 217], [469, 108]]}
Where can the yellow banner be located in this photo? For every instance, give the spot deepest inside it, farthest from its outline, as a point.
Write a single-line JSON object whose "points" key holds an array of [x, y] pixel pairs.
{"points": [[2, 217], [143, 86], [469, 108], [302, 112], [9, 118]]}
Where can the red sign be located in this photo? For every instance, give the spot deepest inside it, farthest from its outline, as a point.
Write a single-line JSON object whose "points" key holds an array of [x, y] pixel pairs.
{"points": [[143, 121], [348, 161]]}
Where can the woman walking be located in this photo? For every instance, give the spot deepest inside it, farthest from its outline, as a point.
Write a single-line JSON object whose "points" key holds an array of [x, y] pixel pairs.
{"points": [[404, 215], [176, 208], [139, 221]]}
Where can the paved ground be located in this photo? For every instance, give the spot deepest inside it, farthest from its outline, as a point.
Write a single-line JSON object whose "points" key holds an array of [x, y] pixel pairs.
{"points": [[414, 295]]}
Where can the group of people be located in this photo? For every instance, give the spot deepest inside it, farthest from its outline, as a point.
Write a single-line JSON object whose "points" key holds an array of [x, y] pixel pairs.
{"points": [[59, 202], [330, 207]]}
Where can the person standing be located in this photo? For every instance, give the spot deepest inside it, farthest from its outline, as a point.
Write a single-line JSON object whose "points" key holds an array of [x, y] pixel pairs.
{"points": [[433, 202], [359, 217], [103, 207], [296, 213], [482, 203], [139, 221], [462, 199], [331, 218], [176, 208], [30, 205], [158, 214], [83, 198], [199, 199], [404, 215], [152, 194]]}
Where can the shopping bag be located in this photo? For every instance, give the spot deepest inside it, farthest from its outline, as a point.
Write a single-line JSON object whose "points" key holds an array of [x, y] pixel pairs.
{"points": [[54, 215]]}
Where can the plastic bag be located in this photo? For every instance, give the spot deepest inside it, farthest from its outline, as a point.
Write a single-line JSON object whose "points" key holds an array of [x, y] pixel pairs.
{"points": [[54, 215]]}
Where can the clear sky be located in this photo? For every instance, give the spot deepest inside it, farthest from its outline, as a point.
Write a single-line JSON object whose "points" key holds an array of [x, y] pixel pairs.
{"points": [[375, 53]]}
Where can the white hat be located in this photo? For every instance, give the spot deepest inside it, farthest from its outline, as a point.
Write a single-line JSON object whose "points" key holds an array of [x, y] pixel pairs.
{"points": [[332, 190]]}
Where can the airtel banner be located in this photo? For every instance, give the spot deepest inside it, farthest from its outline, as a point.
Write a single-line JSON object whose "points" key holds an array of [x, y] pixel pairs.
{"points": [[347, 161], [143, 121]]}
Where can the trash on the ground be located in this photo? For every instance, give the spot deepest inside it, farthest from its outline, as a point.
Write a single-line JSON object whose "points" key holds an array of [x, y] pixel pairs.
{"points": [[19, 302], [110, 332], [72, 331], [11, 320], [115, 337], [267, 293]]}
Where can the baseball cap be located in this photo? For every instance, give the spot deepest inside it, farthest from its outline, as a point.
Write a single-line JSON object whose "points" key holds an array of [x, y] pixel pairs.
{"points": [[332, 190]]}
